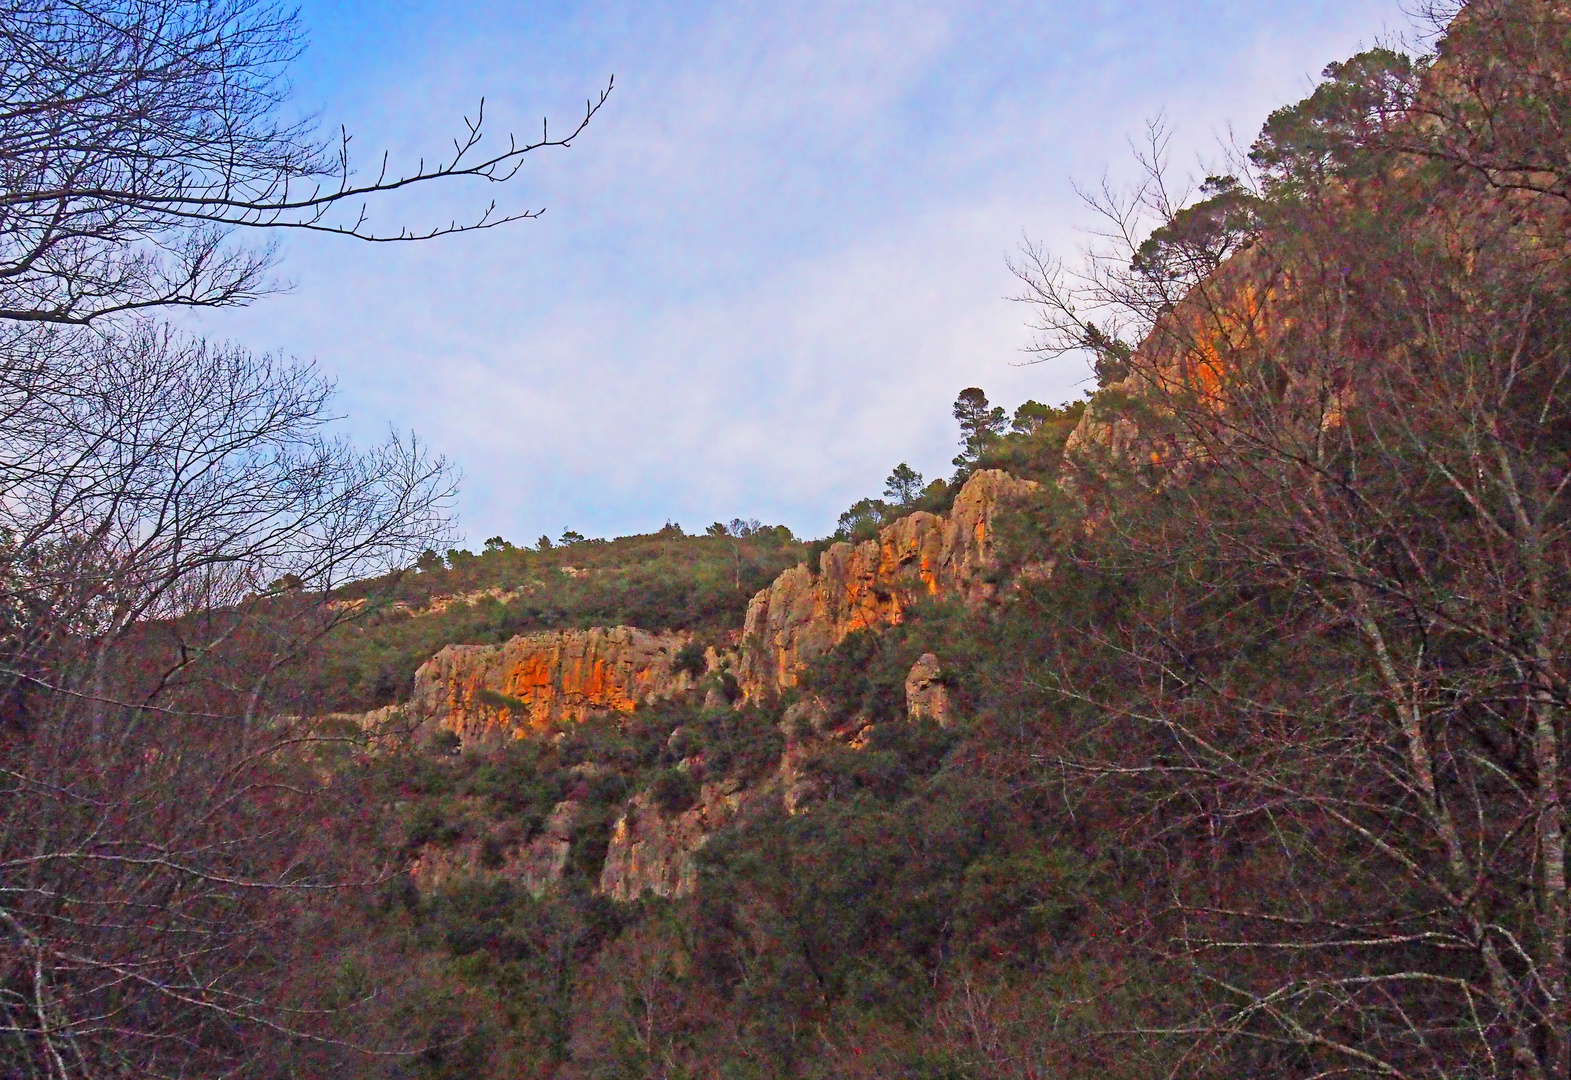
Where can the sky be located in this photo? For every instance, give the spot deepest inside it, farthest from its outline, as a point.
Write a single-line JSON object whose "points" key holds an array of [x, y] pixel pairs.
{"points": [[772, 260]]}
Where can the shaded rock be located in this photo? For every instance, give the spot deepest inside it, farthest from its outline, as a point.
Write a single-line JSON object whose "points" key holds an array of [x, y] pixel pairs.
{"points": [[926, 695], [536, 863], [654, 850], [540, 862], [797, 787], [811, 714]]}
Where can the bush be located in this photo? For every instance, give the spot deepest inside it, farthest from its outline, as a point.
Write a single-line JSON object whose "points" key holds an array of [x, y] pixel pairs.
{"points": [[445, 743], [690, 658], [591, 840], [606, 789], [674, 790], [865, 674], [429, 825], [493, 853], [524, 781]]}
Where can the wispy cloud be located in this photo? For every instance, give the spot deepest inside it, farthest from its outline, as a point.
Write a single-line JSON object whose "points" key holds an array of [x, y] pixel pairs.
{"points": [[771, 263]]}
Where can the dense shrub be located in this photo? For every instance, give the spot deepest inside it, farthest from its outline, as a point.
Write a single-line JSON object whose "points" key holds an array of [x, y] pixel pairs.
{"points": [[690, 658], [674, 790]]}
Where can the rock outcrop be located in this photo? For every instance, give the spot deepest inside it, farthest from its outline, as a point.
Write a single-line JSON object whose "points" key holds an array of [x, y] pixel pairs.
{"points": [[535, 863], [927, 697], [655, 850], [487, 693], [803, 615], [1187, 357]]}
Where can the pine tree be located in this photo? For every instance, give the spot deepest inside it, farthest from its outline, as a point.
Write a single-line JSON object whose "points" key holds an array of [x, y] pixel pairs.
{"points": [[981, 425], [904, 484]]}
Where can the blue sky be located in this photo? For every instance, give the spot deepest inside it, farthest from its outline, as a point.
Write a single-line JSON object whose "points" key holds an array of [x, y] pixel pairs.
{"points": [[769, 265]]}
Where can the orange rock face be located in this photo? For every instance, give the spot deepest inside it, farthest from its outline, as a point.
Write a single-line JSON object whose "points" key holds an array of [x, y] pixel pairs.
{"points": [[487, 693], [1186, 356], [871, 584]]}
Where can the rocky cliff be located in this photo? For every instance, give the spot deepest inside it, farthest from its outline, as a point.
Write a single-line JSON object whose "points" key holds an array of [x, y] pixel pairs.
{"points": [[1186, 358], [486, 693], [655, 850], [803, 615]]}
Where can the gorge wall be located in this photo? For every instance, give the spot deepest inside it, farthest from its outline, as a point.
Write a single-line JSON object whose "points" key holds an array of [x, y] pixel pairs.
{"points": [[488, 693], [803, 615]]}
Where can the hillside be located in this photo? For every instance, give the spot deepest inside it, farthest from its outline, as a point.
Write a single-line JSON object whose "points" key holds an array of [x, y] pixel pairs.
{"points": [[663, 581], [1207, 732], [1216, 726]]}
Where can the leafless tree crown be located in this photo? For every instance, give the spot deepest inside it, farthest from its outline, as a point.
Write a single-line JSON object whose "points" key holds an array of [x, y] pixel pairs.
{"points": [[1341, 727], [174, 518], [136, 137]]}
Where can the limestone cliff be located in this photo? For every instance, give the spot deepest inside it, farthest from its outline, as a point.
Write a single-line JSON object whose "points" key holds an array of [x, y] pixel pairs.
{"points": [[656, 850], [802, 615], [485, 693], [488, 693], [500, 853]]}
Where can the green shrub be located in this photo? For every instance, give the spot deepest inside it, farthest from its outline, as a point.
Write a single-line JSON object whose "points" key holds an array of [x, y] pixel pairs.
{"points": [[607, 789], [524, 780], [690, 658], [674, 790], [865, 674], [498, 700], [445, 743], [429, 825], [590, 841]]}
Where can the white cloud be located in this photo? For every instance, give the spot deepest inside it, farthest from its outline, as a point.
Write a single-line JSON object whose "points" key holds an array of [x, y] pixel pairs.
{"points": [[769, 266]]}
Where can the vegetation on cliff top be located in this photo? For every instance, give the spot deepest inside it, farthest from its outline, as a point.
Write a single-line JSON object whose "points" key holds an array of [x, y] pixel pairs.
{"points": [[658, 581]]}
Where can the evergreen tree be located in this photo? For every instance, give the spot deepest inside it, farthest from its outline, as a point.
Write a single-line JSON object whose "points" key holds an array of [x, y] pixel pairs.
{"points": [[981, 424], [904, 484]]}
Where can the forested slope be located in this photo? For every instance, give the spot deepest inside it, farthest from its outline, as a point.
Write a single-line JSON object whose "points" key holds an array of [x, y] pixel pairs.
{"points": [[1252, 765], [1223, 735]]}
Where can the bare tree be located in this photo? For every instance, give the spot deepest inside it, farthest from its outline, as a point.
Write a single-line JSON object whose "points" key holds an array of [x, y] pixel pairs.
{"points": [[176, 518], [1342, 715], [1154, 245], [1500, 55], [137, 136]]}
